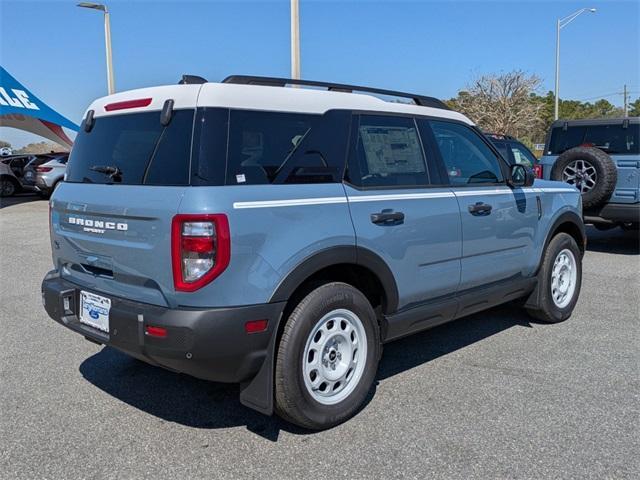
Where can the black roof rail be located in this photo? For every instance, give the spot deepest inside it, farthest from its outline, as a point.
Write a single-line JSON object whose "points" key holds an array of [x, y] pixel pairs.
{"points": [[191, 80], [335, 87]]}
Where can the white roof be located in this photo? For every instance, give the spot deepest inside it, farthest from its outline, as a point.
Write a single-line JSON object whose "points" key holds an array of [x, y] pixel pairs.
{"points": [[258, 97]]}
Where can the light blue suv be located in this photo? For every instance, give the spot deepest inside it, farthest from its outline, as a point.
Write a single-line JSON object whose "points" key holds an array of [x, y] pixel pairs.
{"points": [[277, 237], [600, 157]]}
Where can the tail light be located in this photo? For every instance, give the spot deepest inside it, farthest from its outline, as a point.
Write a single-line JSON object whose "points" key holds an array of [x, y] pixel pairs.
{"points": [[44, 169], [537, 170], [200, 249]]}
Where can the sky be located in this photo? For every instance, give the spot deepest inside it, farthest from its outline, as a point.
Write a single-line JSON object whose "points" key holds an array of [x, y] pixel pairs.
{"points": [[429, 47]]}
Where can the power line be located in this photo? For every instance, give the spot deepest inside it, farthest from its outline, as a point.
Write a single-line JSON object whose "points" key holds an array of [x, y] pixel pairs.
{"points": [[614, 94]]}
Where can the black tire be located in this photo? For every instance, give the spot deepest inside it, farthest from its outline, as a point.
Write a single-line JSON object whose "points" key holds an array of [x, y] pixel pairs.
{"points": [[547, 310], [8, 187], [606, 173], [293, 401]]}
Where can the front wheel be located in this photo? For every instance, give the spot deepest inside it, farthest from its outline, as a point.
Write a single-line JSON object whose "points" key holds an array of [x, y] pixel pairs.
{"points": [[559, 280], [327, 357]]}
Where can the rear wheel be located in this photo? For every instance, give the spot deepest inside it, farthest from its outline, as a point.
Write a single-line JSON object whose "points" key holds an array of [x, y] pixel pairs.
{"points": [[559, 280], [327, 357], [7, 187]]}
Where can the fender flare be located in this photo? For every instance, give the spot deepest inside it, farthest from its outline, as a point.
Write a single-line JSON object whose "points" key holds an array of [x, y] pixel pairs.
{"points": [[567, 217], [334, 256]]}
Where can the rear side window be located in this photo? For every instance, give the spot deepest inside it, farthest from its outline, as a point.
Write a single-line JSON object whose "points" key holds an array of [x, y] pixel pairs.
{"points": [[387, 153], [613, 139], [467, 158], [143, 151], [261, 147]]}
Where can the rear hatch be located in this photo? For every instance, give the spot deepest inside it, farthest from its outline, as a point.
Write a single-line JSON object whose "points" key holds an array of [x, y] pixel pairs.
{"points": [[620, 139], [111, 218]]}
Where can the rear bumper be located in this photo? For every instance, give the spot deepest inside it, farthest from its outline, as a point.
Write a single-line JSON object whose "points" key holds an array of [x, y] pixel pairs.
{"points": [[613, 213], [210, 344]]}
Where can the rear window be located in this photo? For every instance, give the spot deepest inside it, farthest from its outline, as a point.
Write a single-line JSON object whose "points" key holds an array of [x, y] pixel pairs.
{"points": [[613, 139], [143, 151]]}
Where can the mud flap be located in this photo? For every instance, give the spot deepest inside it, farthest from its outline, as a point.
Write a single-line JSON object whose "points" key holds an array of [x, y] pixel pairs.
{"points": [[257, 394]]}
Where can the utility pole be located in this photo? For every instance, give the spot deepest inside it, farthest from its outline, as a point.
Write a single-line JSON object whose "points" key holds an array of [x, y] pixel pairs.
{"points": [[295, 40], [625, 101]]}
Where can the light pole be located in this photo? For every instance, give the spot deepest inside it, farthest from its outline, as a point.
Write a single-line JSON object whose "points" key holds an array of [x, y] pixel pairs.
{"points": [[295, 40], [561, 23], [111, 85]]}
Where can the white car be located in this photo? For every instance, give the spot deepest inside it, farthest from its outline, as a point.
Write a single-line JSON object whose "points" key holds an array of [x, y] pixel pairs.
{"points": [[50, 174]]}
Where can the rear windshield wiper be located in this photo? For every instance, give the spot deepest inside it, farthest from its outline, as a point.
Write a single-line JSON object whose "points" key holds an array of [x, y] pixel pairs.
{"points": [[114, 173]]}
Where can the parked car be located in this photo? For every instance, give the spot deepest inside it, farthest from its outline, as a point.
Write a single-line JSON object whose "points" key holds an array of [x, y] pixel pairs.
{"points": [[11, 175], [9, 183], [29, 173], [602, 159], [515, 152], [50, 174], [277, 237]]}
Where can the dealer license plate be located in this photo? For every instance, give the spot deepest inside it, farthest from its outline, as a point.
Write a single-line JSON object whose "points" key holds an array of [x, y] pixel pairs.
{"points": [[94, 310]]}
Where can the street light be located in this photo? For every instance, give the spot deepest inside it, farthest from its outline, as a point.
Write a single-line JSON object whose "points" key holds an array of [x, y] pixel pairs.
{"points": [[111, 85], [563, 22], [295, 40]]}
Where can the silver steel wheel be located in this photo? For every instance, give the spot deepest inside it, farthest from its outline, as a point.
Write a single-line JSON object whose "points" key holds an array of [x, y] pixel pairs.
{"points": [[564, 276], [581, 174], [334, 356]]}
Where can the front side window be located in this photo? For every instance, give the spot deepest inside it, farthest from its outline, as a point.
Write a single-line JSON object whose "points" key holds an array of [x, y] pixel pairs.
{"points": [[388, 153], [467, 158]]}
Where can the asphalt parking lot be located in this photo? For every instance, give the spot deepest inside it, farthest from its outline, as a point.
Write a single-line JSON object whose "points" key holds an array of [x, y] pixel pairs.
{"points": [[495, 395]]}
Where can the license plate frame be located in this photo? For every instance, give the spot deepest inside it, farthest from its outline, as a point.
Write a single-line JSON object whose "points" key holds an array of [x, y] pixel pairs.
{"points": [[94, 311]]}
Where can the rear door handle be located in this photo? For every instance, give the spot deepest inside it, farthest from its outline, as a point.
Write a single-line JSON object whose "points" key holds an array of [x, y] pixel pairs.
{"points": [[480, 209], [387, 217]]}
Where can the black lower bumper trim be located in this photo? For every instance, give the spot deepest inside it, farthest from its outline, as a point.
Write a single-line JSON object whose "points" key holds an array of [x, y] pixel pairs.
{"points": [[614, 213], [210, 344]]}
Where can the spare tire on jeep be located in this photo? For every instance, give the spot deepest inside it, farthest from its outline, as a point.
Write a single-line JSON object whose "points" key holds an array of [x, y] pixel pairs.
{"points": [[590, 170]]}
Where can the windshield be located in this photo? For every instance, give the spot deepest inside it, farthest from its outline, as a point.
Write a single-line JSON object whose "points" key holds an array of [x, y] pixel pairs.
{"points": [[614, 139], [133, 149]]}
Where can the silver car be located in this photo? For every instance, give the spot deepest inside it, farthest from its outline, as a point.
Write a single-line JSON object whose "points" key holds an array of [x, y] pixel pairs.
{"points": [[50, 174]]}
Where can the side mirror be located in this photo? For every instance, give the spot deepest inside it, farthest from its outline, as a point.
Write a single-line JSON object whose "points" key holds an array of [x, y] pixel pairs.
{"points": [[521, 176]]}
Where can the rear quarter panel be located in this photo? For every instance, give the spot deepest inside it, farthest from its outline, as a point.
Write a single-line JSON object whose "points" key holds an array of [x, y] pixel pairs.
{"points": [[267, 241]]}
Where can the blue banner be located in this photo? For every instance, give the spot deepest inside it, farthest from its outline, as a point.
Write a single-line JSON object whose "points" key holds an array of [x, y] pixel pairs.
{"points": [[15, 98]]}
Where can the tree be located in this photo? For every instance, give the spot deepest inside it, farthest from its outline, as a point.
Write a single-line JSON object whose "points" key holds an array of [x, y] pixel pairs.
{"points": [[4, 144], [41, 147], [503, 103], [634, 108]]}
